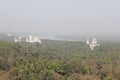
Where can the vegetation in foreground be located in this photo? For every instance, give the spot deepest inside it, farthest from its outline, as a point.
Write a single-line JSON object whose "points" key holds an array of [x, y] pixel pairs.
{"points": [[59, 60]]}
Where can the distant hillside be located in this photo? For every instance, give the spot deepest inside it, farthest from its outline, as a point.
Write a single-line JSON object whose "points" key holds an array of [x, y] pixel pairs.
{"points": [[59, 60]]}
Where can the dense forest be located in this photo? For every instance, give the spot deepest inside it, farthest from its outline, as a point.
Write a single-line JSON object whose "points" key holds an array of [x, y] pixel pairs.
{"points": [[59, 60]]}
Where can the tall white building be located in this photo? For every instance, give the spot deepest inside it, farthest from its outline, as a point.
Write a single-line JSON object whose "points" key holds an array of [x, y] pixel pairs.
{"points": [[87, 42], [32, 39], [94, 41]]}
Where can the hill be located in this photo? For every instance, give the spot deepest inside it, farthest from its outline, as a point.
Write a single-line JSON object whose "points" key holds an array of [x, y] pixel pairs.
{"points": [[59, 60]]}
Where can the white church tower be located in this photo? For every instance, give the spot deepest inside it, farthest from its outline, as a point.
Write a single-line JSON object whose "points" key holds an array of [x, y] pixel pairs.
{"points": [[92, 44]]}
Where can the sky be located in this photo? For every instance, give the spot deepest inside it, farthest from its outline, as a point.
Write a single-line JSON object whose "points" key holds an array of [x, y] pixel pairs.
{"points": [[61, 16]]}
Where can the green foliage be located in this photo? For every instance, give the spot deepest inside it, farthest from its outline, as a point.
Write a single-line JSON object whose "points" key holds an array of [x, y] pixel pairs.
{"points": [[53, 65], [109, 78], [59, 60]]}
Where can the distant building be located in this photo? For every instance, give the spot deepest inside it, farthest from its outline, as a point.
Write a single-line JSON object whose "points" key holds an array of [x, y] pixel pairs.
{"points": [[17, 39], [8, 35], [32, 39], [87, 42], [94, 41], [92, 44]]}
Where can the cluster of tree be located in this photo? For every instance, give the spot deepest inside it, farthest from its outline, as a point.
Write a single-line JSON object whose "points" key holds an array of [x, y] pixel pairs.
{"points": [[59, 60]]}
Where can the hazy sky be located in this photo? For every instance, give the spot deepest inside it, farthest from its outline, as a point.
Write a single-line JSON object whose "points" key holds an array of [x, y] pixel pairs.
{"points": [[61, 16]]}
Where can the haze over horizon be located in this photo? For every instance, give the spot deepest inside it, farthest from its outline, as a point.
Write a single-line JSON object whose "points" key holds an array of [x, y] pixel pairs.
{"points": [[77, 17]]}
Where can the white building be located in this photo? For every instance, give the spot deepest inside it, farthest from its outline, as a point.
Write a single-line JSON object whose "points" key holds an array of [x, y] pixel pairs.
{"points": [[8, 35], [87, 42], [32, 39], [92, 44], [17, 39], [94, 41]]}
